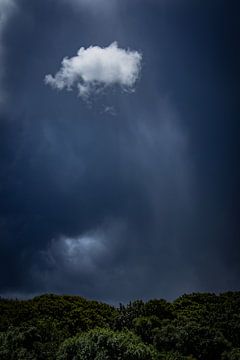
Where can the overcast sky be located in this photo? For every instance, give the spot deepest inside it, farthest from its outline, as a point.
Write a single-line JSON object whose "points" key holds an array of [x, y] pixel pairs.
{"points": [[118, 148]]}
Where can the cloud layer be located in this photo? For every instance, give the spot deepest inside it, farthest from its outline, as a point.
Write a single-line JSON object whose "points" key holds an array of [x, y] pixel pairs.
{"points": [[140, 206], [6, 9], [104, 6], [95, 67]]}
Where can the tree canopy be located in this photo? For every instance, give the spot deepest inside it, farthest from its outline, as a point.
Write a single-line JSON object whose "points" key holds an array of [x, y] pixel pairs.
{"points": [[197, 326]]}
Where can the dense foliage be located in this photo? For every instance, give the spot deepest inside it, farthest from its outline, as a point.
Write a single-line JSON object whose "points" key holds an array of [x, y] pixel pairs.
{"points": [[196, 326]]}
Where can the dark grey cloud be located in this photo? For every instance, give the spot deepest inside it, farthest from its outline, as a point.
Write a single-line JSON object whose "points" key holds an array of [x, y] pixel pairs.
{"points": [[139, 204], [7, 9]]}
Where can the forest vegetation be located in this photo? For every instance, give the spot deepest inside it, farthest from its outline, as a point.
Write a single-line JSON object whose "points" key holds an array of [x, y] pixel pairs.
{"points": [[200, 326]]}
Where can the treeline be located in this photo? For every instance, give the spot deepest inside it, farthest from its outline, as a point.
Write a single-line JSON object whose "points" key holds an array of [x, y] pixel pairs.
{"points": [[197, 326]]}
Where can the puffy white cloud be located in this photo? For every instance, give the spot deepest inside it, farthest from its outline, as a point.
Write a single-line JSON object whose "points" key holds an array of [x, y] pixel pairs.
{"points": [[96, 67]]}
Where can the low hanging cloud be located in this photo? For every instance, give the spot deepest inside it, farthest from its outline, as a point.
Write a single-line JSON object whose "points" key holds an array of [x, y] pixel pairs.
{"points": [[96, 68], [85, 257]]}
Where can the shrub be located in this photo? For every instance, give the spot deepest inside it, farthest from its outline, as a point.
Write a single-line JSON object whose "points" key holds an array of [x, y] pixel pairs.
{"points": [[105, 344]]}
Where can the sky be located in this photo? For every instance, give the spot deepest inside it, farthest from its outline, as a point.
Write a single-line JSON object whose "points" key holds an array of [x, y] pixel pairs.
{"points": [[118, 148]]}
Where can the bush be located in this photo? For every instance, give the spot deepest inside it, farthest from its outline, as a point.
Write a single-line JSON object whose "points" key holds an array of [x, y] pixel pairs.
{"points": [[191, 339], [20, 344], [105, 344], [232, 355], [144, 327]]}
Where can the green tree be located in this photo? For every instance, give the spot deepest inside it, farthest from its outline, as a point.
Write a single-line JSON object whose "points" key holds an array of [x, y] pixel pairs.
{"points": [[191, 338], [20, 344], [144, 327], [105, 344], [234, 354]]}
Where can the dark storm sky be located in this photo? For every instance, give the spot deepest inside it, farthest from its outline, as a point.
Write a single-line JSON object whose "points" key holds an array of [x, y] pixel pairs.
{"points": [[138, 202]]}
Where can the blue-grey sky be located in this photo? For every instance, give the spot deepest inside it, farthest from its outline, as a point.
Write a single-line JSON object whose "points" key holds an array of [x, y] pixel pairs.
{"points": [[119, 168]]}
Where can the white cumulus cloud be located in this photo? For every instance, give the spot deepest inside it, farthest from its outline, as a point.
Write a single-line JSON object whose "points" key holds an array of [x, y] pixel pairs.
{"points": [[97, 67]]}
